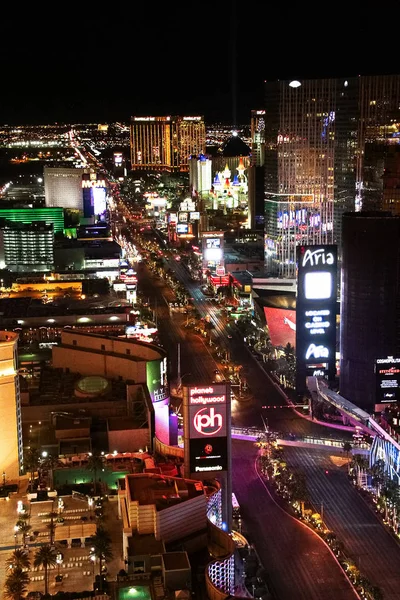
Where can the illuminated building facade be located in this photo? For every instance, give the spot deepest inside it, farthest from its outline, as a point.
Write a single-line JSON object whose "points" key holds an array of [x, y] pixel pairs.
{"points": [[256, 168], [166, 143], [200, 174], [26, 247], [330, 138], [120, 358], [29, 215], [290, 220], [63, 187], [11, 457], [370, 301]]}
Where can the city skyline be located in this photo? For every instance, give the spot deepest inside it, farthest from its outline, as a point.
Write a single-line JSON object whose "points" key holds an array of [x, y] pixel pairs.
{"points": [[180, 61]]}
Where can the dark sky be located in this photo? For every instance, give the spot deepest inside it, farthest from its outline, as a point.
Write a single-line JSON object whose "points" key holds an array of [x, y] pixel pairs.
{"points": [[86, 64]]}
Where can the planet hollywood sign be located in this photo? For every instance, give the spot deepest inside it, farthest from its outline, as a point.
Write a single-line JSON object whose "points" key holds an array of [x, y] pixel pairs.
{"points": [[207, 411], [209, 420]]}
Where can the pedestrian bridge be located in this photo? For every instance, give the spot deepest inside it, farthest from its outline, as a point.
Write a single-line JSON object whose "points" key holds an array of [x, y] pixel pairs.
{"points": [[252, 434]]}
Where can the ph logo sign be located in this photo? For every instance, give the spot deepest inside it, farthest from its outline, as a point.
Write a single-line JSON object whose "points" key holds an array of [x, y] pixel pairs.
{"points": [[208, 422]]}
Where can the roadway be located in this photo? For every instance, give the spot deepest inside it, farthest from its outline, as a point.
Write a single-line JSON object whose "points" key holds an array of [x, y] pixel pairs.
{"points": [[298, 563], [374, 550]]}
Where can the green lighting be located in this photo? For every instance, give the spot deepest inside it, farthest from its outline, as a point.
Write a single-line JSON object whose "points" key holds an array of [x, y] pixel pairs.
{"points": [[50, 215], [138, 592]]}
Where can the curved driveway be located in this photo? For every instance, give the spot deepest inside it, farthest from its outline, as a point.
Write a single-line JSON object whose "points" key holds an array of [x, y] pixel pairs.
{"points": [[299, 565]]}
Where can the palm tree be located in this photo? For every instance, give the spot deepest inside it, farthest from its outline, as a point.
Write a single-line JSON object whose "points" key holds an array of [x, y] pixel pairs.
{"points": [[15, 586], [360, 463], [378, 475], [49, 464], [95, 464], [24, 529], [390, 494], [298, 490], [347, 449], [19, 559], [45, 557], [101, 549], [52, 526], [31, 462]]}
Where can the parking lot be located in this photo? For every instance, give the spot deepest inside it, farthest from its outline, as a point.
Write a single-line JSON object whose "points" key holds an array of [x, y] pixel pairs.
{"points": [[75, 566]]}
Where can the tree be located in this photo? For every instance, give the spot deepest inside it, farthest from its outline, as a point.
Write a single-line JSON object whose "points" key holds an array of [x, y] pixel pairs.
{"points": [[347, 449], [378, 475], [19, 559], [45, 557], [31, 462], [24, 529], [101, 549], [360, 463], [298, 489], [51, 526], [15, 586], [95, 464], [49, 464]]}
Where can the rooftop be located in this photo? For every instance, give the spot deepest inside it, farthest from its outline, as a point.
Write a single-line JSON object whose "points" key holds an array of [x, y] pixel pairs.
{"points": [[58, 387], [144, 544], [150, 488]]}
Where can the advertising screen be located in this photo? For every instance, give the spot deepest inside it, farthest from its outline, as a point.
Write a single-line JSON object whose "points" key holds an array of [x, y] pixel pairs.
{"points": [[156, 379], [209, 422], [183, 217], [117, 159], [316, 312], [281, 326], [182, 228], [387, 372], [194, 216], [213, 243], [99, 200]]}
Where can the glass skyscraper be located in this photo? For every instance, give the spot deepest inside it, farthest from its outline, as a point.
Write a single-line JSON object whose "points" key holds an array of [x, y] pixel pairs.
{"points": [[328, 138]]}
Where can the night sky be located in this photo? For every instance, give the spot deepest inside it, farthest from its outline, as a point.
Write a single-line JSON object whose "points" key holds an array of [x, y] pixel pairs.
{"points": [[84, 65]]}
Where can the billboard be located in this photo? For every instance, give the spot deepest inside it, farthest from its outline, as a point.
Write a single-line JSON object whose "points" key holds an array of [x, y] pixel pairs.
{"points": [[316, 312], [208, 418], [213, 249], [281, 326], [194, 216], [118, 159], [183, 217], [156, 379], [387, 371], [182, 228]]}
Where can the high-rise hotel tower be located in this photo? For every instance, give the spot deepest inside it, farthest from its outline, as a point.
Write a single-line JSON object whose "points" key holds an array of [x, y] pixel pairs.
{"points": [[329, 139], [166, 143]]}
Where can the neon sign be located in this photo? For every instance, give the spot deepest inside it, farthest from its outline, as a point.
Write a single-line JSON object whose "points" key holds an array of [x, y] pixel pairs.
{"points": [[317, 351], [207, 422], [317, 257]]}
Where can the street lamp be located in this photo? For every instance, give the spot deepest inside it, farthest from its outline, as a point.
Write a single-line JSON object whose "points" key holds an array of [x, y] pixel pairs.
{"points": [[59, 561], [93, 559]]}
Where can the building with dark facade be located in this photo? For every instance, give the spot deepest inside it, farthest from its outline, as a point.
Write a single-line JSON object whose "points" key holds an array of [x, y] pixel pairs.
{"points": [[370, 301], [330, 138]]}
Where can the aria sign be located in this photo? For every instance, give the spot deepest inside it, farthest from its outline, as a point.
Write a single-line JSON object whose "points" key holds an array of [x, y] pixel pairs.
{"points": [[316, 312]]}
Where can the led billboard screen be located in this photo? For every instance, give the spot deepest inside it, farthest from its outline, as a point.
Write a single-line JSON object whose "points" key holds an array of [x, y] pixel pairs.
{"points": [[209, 428], [281, 326], [182, 228], [156, 379], [316, 312], [387, 372]]}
